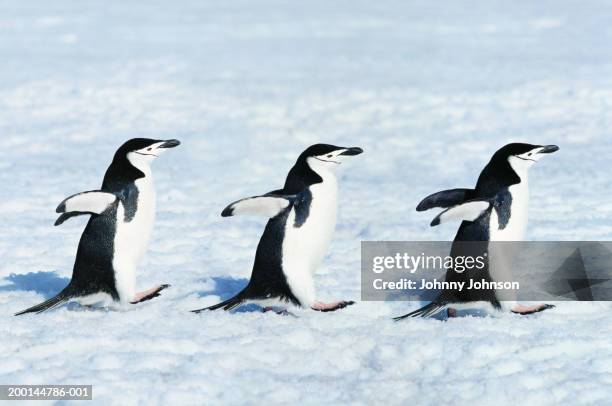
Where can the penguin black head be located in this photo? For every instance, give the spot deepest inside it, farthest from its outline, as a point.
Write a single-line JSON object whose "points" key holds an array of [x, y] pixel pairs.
{"points": [[321, 156], [133, 159], [140, 152], [521, 156], [510, 164], [315, 161]]}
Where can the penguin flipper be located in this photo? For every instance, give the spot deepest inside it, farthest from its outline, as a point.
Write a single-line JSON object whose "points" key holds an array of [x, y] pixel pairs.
{"points": [[55, 301], [91, 202], [66, 216], [425, 311], [269, 205], [468, 211], [444, 199]]}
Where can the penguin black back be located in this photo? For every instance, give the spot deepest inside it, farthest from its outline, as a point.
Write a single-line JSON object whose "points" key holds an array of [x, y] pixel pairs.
{"points": [[93, 266]]}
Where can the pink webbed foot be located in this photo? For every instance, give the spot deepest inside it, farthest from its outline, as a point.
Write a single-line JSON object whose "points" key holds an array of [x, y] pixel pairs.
{"points": [[525, 310], [148, 294], [331, 307]]}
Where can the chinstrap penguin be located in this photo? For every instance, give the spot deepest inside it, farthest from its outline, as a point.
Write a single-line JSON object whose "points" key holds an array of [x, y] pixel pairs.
{"points": [[302, 219], [118, 232], [495, 210]]}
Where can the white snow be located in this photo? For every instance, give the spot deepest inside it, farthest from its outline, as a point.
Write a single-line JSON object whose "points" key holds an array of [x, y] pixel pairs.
{"points": [[429, 89]]}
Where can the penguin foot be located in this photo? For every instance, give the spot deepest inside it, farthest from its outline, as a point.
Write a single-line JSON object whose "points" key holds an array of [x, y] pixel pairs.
{"points": [[525, 310], [148, 294], [278, 310], [331, 307]]}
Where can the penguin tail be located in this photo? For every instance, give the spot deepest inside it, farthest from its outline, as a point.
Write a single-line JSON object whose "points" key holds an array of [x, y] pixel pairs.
{"points": [[227, 305], [55, 301], [425, 311]]}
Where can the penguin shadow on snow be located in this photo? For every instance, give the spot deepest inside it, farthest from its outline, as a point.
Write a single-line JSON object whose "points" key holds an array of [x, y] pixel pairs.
{"points": [[45, 283], [227, 287], [422, 297]]}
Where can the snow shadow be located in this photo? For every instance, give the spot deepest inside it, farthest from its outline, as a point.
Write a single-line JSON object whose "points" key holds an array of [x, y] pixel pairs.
{"points": [[425, 296], [443, 315], [226, 287], [47, 284]]}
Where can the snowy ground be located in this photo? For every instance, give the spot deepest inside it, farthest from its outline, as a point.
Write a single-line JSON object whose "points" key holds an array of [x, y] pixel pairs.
{"points": [[428, 89]]}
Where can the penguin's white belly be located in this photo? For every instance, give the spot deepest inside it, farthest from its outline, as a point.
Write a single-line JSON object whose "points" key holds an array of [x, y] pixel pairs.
{"points": [[96, 298], [132, 238], [517, 224], [305, 247], [501, 256]]}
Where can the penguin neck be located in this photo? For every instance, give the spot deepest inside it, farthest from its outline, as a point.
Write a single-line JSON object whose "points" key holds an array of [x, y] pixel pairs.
{"points": [[521, 170], [496, 175], [520, 190], [523, 175], [326, 175], [142, 167], [300, 177], [122, 172], [325, 193]]}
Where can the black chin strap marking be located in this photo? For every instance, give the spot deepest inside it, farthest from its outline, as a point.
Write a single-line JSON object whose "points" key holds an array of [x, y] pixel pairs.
{"points": [[140, 153], [324, 160], [525, 159]]}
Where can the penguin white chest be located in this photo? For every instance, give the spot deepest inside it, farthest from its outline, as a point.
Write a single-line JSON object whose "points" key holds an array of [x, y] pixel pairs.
{"points": [[516, 226], [132, 237], [306, 245]]}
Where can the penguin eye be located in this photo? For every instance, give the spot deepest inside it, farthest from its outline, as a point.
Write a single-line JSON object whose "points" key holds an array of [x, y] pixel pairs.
{"points": [[149, 149], [330, 155], [529, 154]]}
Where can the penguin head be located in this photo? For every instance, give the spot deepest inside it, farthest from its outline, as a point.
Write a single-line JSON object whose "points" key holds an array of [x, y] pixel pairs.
{"points": [[140, 152], [522, 156], [324, 157], [316, 161]]}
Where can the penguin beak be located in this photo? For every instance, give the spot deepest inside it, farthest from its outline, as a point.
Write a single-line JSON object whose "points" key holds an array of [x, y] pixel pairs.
{"points": [[170, 144], [352, 151], [548, 149]]}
